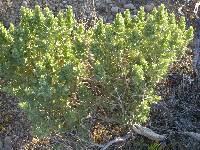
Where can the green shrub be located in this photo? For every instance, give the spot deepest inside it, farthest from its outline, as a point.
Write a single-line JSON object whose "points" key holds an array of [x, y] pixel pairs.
{"points": [[61, 71]]}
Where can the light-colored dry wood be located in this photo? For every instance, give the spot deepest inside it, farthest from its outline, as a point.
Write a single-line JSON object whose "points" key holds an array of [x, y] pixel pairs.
{"points": [[150, 134]]}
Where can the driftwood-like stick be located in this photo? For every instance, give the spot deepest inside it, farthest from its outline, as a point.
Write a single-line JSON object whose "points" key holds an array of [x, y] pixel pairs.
{"points": [[150, 134]]}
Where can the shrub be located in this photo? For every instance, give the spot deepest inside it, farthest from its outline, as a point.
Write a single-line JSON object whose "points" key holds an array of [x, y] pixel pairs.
{"points": [[62, 72]]}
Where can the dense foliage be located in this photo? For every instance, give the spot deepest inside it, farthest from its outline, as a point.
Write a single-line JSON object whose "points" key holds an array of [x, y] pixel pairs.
{"points": [[63, 72]]}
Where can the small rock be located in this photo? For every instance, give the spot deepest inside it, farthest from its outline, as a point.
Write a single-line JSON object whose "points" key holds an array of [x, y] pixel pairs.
{"points": [[12, 11], [64, 2], [25, 3], [109, 1], [133, 16], [98, 4], [149, 7], [134, 12], [121, 2], [7, 143], [115, 9], [110, 19], [6, 24], [195, 43], [129, 6], [112, 5], [121, 10]]}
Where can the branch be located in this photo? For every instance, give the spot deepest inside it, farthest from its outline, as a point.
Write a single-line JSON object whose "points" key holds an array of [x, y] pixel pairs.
{"points": [[150, 134], [119, 139]]}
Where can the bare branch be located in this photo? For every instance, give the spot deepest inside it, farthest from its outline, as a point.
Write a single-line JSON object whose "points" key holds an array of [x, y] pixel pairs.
{"points": [[119, 139], [148, 133]]}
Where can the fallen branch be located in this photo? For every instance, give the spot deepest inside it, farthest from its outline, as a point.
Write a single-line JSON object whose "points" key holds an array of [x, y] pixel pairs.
{"points": [[150, 134], [103, 146], [143, 131], [119, 139]]}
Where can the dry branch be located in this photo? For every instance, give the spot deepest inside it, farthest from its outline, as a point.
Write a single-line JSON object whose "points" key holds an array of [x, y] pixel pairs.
{"points": [[150, 134], [119, 139]]}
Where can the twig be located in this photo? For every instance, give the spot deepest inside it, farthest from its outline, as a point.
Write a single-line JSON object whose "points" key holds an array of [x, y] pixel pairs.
{"points": [[120, 101]]}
